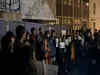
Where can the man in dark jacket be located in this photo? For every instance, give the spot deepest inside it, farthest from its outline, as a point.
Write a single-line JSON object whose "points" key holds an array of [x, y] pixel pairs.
{"points": [[78, 46], [6, 56], [22, 51], [18, 49], [40, 53]]}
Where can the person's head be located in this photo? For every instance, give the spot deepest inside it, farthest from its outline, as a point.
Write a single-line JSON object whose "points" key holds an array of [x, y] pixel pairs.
{"points": [[90, 34], [20, 32], [77, 32], [88, 30], [53, 33], [67, 32], [10, 36], [80, 32], [32, 30], [95, 30], [7, 40], [40, 29], [47, 34]]}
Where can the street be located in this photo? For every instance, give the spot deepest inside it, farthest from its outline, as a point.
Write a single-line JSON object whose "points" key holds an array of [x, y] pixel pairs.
{"points": [[83, 68]]}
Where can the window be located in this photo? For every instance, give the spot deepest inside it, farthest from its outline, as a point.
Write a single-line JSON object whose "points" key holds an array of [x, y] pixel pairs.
{"points": [[9, 5], [70, 2], [65, 20], [57, 20], [2, 4], [94, 8]]}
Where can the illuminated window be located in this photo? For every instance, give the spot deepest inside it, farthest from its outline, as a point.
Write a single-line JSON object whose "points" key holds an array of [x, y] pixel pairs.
{"points": [[65, 21], [57, 21], [69, 21], [2, 4], [70, 2]]}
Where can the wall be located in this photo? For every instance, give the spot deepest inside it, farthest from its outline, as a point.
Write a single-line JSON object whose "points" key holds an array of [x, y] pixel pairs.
{"points": [[97, 14], [38, 9], [94, 18]]}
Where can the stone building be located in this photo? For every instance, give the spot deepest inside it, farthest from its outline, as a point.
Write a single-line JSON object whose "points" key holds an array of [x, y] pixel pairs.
{"points": [[39, 10], [10, 10], [94, 14], [72, 13]]}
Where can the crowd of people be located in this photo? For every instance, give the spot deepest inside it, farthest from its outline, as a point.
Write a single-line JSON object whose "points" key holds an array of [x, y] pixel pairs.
{"points": [[30, 53]]}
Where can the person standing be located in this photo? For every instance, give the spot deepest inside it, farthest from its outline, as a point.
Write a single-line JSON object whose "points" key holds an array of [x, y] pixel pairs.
{"points": [[46, 47], [33, 41], [19, 51], [22, 51], [57, 48], [52, 46], [78, 46], [40, 53], [61, 57], [68, 42], [98, 48], [7, 60]]}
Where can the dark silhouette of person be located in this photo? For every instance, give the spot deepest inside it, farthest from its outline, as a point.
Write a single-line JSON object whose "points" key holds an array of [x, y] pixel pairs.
{"points": [[7, 45], [19, 50]]}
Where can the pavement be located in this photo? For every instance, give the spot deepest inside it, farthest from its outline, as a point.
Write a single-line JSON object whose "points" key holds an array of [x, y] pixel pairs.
{"points": [[84, 67], [52, 69]]}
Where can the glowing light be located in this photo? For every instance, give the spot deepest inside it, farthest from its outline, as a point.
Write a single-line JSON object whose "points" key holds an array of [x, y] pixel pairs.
{"points": [[87, 4]]}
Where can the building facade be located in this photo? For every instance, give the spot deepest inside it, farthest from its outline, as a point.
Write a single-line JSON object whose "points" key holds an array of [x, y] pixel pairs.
{"points": [[94, 14], [72, 13], [10, 9], [38, 9]]}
